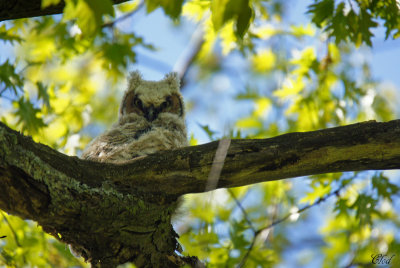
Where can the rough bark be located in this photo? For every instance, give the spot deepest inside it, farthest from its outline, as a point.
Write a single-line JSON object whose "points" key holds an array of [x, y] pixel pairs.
{"points": [[18, 9], [117, 213]]}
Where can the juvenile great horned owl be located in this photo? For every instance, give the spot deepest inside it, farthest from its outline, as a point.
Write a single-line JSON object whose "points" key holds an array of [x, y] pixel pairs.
{"points": [[151, 118]]}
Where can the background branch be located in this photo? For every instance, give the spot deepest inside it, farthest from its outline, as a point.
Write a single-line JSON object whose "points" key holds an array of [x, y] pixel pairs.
{"points": [[257, 232], [18, 9]]}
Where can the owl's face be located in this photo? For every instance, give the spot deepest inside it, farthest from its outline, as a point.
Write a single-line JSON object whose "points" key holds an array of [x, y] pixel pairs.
{"points": [[149, 99]]}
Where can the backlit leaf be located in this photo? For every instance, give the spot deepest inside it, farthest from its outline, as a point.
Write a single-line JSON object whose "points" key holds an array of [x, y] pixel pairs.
{"points": [[249, 122], [6, 35], [264, 60], [321, 11], [365, 207], [27, 116], [9, 78], [171, 8], [47, 3], [243, 19], [384, 187], [42, 94], [88, 14], [210, 133]]}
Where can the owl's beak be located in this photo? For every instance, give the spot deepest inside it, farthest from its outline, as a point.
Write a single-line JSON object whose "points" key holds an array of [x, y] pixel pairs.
{"points": [[151, 113]]}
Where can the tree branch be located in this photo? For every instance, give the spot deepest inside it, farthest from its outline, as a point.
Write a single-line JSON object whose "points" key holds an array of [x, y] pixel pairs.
{"points": [[18, 9], [363, 146], [117, 213], [125, 16]]}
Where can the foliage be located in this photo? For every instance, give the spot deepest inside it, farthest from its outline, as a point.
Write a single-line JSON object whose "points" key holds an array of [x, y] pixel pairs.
{"points": [[354, 20], [25, 244], [283, 77]]}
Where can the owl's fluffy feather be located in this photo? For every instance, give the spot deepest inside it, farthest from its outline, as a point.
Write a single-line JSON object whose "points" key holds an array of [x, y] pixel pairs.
{"points": [[134, 135]]}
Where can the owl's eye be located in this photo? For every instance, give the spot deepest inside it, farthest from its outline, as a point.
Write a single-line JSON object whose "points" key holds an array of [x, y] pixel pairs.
{"points": [[166, 103], [169, 101], [137, 102]]}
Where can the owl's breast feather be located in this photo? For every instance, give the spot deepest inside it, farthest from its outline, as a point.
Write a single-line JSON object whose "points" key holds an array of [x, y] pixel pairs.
{"points": [[141, 132]]}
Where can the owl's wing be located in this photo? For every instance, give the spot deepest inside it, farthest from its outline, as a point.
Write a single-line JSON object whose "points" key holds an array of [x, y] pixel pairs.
{"points": [[111, 145], [102, 146]]}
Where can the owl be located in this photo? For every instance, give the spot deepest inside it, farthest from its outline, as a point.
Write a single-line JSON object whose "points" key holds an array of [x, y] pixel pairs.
{"points": [[151, 119]]}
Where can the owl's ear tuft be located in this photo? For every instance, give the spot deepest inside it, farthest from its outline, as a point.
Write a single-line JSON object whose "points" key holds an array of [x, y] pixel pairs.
{"points": [[134, 79], [172, 79]]}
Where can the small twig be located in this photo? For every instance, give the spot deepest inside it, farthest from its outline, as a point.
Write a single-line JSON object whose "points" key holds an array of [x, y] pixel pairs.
{"points": [[351, 5], [124, 17], [187, 57], [242, 209], [3, 90], [243, 262], [7, 98], [259, 231]]}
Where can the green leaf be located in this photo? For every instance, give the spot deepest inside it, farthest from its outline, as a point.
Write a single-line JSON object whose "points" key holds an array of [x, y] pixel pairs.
{"points": [[9, 79], [88, 14], [250, 94], [223, 11], [321, 11], [249, 122], [218, 256], [5, 35], [345, 24], [365, 23], [339, 25], [118, 54], [27, 116], [388, 11], [210, 133], [100, 8], [365, 209], [218, 15], [171, 8], [243, 19], [43, 95], [318, 192], [236, 234], [47, 3], [342, 207], [384, 187]]}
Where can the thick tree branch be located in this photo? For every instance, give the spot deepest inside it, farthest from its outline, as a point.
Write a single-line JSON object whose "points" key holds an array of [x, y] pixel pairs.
{"points": [[118, 213], [18, 9], [363, 146]]}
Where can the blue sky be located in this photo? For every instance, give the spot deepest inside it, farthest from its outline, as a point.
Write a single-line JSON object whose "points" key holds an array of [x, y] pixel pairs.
{"points": [[172, 41]]}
